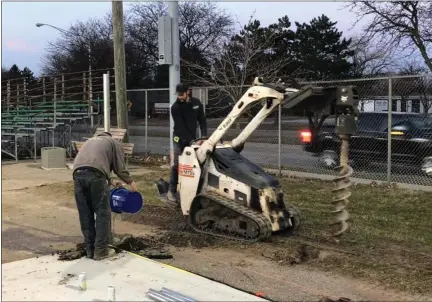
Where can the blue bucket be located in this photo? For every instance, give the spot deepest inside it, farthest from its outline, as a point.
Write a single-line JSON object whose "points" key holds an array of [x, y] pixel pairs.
{"points": [[124, 201]]}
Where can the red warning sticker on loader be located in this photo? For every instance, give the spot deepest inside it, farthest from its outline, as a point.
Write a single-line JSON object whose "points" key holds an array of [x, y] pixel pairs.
{"points": [[186, 171]]}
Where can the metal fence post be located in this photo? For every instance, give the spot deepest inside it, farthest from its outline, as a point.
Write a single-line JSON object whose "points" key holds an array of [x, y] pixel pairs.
{"points": [[389, 136], [8, 96], [18, 98], [63, 87], [106, 96], [55, 111], [84, 86], [146, 124], [25, 92], [90, 98], [280, 139], [44, 90]]}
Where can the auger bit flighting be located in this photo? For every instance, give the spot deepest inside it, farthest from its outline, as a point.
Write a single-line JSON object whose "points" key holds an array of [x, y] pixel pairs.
{"points": [[342, 190], [346, 121]]}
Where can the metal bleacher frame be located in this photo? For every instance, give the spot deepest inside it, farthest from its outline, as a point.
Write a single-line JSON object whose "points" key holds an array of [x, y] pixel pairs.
{"points": [[31, 121]]}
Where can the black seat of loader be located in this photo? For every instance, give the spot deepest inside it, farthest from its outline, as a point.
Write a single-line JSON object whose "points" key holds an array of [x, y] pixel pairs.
{"points": [[236, 166]]}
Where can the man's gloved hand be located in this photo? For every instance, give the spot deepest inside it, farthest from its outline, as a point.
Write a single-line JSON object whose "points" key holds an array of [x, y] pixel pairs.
{"points": [[182, 143]]}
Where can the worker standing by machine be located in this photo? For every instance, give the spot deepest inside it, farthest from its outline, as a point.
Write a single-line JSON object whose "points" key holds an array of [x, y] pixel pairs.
{"points": [[186, 112], [92, 176]]}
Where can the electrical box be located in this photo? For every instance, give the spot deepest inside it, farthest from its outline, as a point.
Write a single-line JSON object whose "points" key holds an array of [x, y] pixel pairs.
{"points": [[53, 158], [165, 41]]}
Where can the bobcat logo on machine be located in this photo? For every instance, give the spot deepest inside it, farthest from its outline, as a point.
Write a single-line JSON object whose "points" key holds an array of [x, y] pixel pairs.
{"points": [[186, 171]]}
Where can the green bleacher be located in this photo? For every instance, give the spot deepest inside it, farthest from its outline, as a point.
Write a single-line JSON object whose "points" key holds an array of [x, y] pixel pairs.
{"points": [[25, 121], [42, 112]]}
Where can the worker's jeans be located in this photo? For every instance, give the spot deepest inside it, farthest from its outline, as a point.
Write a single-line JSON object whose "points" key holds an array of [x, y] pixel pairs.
{"points": [[174, 169], [92, 197]]}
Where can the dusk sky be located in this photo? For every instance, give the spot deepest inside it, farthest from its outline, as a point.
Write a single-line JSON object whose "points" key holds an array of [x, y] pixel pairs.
{"points": [[23, 43]]}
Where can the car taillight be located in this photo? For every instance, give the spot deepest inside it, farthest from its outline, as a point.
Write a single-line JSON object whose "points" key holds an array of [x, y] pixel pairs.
{"points": [[306, 136]]}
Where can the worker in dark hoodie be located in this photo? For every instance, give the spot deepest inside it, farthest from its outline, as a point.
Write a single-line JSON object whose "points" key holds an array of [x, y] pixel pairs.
{"points": [[187, 112], [92, 176]]}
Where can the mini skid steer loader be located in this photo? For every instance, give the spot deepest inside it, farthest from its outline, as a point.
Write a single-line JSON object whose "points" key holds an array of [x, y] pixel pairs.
{"points": [[224, 194]]}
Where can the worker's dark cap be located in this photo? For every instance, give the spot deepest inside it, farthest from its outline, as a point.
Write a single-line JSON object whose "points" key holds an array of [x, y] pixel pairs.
{"points": [[182, 88]]}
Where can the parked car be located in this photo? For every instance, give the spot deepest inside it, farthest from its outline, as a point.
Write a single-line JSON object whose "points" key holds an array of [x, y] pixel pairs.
{"points": [[411, 142]]}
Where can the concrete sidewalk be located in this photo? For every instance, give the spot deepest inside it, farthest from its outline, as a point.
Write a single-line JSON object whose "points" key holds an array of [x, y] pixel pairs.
{"points": [[47, 279]]}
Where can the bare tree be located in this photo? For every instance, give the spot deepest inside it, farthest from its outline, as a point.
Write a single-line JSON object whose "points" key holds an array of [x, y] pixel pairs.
{"points": [[70, 52], [370, 60], [403, 25], [203, 26], [246, 56], [419, 86]]}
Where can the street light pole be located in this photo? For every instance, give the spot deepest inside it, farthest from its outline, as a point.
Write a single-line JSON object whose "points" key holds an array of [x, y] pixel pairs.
{"points": [[67, 32], [90, 90]]}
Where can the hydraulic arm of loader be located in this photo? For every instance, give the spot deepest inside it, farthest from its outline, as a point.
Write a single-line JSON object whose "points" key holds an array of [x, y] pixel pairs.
{"points": [[338, 101], [253, 94]]}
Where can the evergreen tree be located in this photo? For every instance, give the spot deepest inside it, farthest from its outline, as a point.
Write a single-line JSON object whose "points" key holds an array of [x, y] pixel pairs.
{"points": [[320, 51], [14, 72], [283, 44], [27, 74]]}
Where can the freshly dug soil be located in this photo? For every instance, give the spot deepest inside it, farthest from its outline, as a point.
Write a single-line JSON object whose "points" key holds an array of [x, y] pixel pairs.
{"points": [[150, 247], [175, 231], [72, 254]]}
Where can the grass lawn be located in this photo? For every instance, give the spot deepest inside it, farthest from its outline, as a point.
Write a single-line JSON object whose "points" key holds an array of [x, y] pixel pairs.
{"points": [[389, 240], [390, 237]]}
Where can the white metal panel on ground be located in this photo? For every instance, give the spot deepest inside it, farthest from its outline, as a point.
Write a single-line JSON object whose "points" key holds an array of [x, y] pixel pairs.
{"points": [[47, 279]]}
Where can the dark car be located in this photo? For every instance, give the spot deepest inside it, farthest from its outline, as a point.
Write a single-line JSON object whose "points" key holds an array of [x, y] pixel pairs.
{"points": [[411, 142]]}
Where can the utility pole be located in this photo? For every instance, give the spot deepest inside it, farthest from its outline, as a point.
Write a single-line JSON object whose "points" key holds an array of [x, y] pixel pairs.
{"points": [[120, 66], [174, 68], [169, 54]]}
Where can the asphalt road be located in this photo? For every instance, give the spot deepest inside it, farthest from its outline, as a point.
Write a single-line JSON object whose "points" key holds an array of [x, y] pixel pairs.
{"points": [[292, 158], [259, 153], [291, 137], [263, 149]]}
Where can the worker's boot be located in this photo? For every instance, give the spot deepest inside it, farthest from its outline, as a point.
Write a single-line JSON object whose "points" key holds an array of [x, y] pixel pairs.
{"points": [[89, 253], [172, 200], [108, 254], [114, 240]]}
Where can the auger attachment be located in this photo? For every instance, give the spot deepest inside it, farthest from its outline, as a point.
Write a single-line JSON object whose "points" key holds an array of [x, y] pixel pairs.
{"points": [[346, 111]]}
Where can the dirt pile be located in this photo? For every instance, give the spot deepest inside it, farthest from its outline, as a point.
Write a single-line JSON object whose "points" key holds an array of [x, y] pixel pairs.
{"points": [[174, 229], [150, 247], [302, 254], [158, 216], [72, 254], [188, 238]]}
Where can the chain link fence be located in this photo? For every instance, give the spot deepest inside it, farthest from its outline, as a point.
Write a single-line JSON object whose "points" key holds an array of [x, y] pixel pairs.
{"points": [[402, 102]]}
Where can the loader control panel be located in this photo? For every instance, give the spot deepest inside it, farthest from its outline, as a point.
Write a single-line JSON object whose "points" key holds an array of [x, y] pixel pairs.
{"points": [[346, 110]]}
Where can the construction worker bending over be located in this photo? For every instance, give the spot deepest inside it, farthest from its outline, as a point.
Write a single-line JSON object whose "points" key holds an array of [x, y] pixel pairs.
{"points": [[186, 112], [92, 176]]}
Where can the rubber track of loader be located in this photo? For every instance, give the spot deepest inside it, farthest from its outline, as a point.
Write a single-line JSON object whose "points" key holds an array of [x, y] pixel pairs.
{"points": [[265, 227]]}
